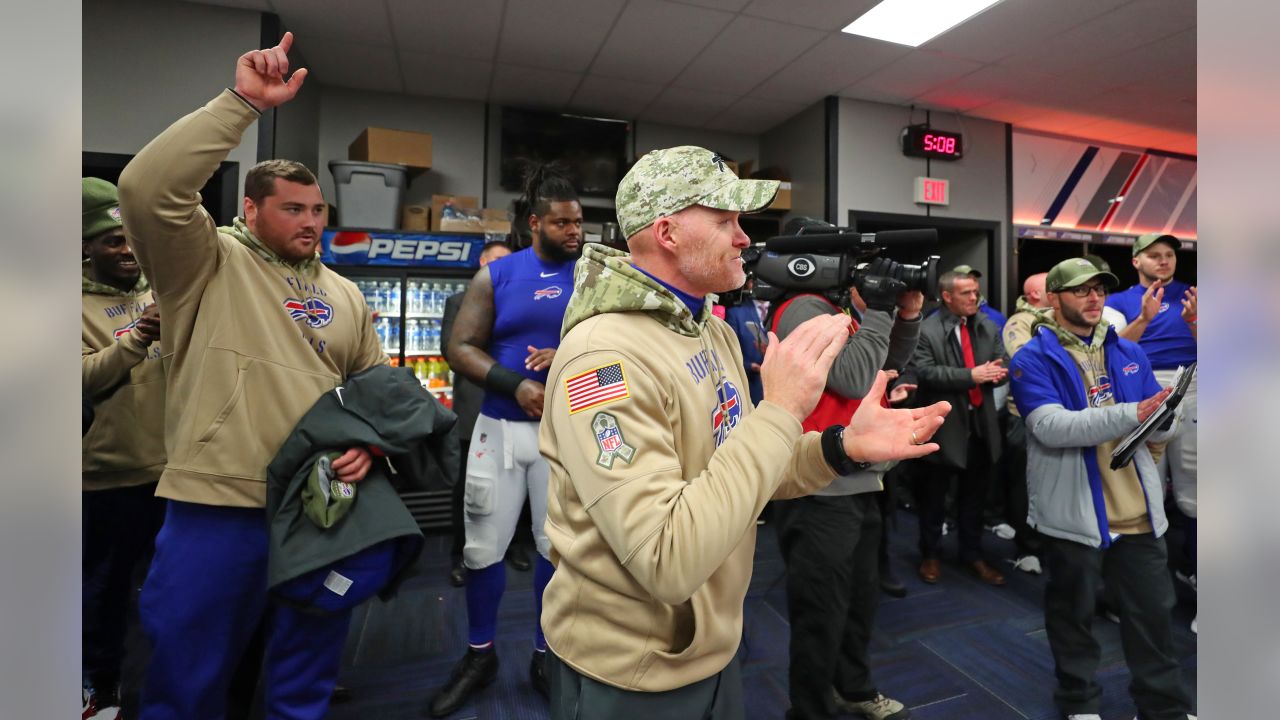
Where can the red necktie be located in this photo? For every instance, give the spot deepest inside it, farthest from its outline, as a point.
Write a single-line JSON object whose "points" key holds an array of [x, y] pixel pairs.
{"points": [[966, 348]]}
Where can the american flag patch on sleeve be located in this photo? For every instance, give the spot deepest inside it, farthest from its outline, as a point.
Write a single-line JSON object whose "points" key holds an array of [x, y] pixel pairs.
{"points": [[596, 387]]}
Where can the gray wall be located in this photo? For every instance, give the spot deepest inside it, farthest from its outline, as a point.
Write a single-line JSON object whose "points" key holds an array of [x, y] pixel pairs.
{"points": [[147, 63], [736, 147], [799, 147], [875, 176], [297, 128], [456, 127]]}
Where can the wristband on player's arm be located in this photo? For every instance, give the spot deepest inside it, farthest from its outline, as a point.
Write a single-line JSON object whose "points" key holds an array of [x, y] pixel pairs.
{"points": [[502, 379], [833, 452]]}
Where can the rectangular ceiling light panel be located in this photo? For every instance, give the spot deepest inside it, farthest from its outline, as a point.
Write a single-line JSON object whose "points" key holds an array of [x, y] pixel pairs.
{"points": [[915, 22]]}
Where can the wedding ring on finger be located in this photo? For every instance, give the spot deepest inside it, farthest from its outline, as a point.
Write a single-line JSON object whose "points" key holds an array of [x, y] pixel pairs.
{"points": [[914, 440]]}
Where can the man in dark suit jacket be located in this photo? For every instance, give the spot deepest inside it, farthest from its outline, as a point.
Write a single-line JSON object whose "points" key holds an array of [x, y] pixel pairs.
{"points": [[467, 397], [958, 359]]}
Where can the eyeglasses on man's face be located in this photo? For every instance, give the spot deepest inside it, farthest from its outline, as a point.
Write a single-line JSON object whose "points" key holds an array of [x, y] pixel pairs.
{"points": [[1083, 291]]}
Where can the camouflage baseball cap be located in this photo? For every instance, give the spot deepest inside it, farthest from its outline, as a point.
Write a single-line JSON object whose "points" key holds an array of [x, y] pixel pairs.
{"points": [[667, 181], [1076, 271], [966, 270], [1145, 241]]}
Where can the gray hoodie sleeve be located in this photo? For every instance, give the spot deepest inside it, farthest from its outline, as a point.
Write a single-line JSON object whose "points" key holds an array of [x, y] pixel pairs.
{"points": [[1057, 427], [855, 367]]}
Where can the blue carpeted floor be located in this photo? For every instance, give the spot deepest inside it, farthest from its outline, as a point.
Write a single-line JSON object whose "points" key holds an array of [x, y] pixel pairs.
{"points": [[958, 650]]}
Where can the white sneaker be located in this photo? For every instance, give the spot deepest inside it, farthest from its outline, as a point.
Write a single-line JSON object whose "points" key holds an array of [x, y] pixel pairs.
{"points": [[944, 529], [1188, 580], [1028, 564], [1004, 531], [1091, 716], [1194, 627], [108, 713]]}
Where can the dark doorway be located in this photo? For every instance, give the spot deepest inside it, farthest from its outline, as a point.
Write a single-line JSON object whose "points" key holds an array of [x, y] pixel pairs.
{"points": [[960, 242], [220, 196]]}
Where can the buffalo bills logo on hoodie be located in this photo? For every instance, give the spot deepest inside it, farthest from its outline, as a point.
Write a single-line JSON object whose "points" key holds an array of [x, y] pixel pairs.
{"points": [[724, 418], [316, 312]]}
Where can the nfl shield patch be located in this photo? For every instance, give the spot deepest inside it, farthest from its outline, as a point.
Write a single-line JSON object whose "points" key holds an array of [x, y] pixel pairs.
{"points": [[610, 441]]}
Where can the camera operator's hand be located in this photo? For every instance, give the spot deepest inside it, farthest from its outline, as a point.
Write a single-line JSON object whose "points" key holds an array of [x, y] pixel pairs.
{"points": [[988, 372], [880, 290], [910, 303], [795, 369]]}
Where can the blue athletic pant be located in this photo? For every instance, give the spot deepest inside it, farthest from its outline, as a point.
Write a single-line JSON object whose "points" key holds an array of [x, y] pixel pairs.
{"points": [[204, 596]]}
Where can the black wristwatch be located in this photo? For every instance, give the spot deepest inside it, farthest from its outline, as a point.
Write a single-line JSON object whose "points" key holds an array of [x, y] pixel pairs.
{"points": [[833, 452]]}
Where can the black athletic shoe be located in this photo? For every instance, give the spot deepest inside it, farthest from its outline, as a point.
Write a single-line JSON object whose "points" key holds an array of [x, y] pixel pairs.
{"points": [[538, 674], [475, 670], [458, 575]]}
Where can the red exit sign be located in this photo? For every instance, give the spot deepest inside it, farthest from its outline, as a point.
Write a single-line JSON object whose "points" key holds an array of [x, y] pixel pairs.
{"points": [[933, 191]]}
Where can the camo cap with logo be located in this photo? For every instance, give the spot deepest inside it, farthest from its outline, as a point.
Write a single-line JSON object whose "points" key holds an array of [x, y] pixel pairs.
{"points": [[667, 181], [1074, 272]]}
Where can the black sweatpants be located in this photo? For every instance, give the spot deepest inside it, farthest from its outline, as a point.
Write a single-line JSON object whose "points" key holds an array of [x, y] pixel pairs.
{"points": [[1136, 572], [831, 547], [1014, 464], [971, 495], [118, 528], [577, 697]]}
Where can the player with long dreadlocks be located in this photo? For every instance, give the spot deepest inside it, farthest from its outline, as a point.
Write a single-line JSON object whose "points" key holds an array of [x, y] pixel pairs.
{"points": [[504, 338]]}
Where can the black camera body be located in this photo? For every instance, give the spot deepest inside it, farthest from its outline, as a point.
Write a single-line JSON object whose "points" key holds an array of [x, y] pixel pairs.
{"points": [[818, 257]]}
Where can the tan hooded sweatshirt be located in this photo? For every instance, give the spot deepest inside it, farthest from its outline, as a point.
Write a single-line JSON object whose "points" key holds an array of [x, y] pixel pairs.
{"points": [[659, 469], [121, 374]]}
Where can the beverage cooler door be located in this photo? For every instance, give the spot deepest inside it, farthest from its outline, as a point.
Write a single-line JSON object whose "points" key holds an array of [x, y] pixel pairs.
{"points": [[424, 310], [383, 296]]}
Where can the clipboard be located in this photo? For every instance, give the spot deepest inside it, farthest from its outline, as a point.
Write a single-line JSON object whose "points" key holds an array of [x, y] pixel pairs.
{"points": [[1123, 454]]}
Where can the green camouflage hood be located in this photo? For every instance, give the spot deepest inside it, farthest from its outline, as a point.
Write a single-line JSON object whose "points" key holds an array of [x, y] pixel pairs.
{"points": [[604, 281], [1068, 338], [241, 232], [1023, 306], [90, 285]]}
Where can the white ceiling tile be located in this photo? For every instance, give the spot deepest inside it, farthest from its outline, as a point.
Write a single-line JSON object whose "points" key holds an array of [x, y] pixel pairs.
{"points": [[445, 76], [1014, 25], [827, 68], [1010, 111], [654, 40], [753, 117], [556, 34], [365, 67], [613, 97], [532, 87], [746, 54], [692, 108], [820, 14], [465, 28], [336, 20], [261, 5], [913, 75], [729, 5]]}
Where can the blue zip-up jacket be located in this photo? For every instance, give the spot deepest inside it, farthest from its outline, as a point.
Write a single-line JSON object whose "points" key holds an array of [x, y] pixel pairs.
{"points": [[1064, 484]]}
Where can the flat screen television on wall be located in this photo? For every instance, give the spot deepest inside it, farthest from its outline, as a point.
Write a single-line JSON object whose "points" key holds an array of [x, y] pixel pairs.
{"points": [[593, 149]]}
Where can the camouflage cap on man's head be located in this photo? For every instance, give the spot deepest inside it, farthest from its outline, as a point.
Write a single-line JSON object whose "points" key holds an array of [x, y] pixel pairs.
{"points": [[667, 181]]}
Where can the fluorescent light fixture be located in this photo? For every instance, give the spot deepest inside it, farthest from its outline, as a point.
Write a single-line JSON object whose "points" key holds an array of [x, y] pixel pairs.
{"points": [[915, 22]]}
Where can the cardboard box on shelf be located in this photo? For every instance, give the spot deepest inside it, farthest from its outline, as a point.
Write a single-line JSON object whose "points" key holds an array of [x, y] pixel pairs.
{"points": [[396, 147], [782, 201], [416, 218]]}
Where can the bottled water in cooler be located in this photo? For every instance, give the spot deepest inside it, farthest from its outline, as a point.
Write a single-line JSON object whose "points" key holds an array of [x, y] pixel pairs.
{"points": [[413, 337], [413, 298], [384, 297]]}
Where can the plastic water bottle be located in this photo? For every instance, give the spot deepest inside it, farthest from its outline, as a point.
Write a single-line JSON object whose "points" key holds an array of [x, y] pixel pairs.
{"points": [[393, 306], [394, 341], [383, 328], [412, 299], [413, 337], [433, 337], [384, 297]]}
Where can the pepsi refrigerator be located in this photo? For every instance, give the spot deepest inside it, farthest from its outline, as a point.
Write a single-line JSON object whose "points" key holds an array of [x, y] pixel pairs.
{"points": [[405, 278]]}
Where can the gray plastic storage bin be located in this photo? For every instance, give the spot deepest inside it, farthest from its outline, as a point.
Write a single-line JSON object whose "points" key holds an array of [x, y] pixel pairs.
{"points": [[369, 194]]}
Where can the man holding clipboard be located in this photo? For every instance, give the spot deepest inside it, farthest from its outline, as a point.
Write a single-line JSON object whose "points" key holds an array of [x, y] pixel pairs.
{"points": [[1082, 389]]}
